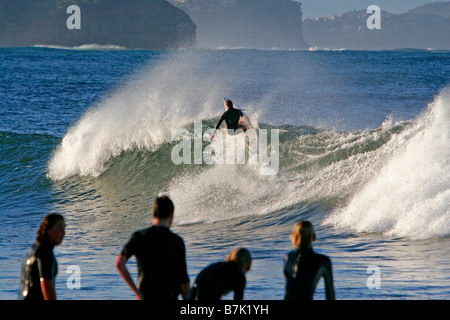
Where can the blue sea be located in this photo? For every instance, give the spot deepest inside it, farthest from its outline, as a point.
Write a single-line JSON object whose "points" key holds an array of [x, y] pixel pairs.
{"points": [[364, 154]]}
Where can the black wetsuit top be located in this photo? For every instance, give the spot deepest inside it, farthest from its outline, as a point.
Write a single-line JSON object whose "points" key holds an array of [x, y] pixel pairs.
{"points": [[161, 259], [231, 117], [39, 263], [303, 269], [218, 279]]}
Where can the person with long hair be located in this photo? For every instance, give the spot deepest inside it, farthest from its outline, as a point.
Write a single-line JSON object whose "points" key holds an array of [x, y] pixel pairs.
{"points": [[40, 267]]}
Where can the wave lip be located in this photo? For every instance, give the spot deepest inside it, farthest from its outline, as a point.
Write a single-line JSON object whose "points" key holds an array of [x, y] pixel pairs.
{"points": [[410, 197], [141, 114]]}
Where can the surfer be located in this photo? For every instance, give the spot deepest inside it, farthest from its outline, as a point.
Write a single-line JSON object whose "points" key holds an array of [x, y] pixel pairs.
{"points": [[160, 256], [303, 268], [39, 267], [220, 278], [232, 118]]}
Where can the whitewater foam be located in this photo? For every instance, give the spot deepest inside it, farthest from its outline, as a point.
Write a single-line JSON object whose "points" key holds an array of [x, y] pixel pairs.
{"points": [[321, 166], [410, 197], [139, 115], [91, 46]]}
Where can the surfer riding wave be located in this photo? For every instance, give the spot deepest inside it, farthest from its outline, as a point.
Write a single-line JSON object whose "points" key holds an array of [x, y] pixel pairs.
{"points": [[232, 118]]}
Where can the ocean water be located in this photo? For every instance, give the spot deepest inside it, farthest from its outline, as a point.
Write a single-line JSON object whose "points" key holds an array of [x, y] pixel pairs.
{"points": [[364, 154]]}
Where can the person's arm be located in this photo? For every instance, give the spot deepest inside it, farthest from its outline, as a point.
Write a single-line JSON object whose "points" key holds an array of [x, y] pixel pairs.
{"points": [[239, 288], [48, 289], [328, 278], [220, 121], [239, 294], [46, 266], [217, 126], [185, 287], [122, 268]]}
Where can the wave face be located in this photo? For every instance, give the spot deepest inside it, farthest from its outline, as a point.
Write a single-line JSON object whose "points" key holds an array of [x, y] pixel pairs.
{"points": [[140, 115], [410, 196], [392, 180]]}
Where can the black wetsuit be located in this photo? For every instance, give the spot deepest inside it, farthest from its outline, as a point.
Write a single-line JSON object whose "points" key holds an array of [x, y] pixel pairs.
{"points": [[161, 259], [231, 117], [303, 269], [218, 279], [39, 263]]}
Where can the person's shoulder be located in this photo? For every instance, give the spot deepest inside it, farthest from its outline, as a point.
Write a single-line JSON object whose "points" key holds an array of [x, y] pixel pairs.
{"points": [[322, 257], [176, 237], [292, 253], [232, 266], [167, 233], [42, 250], [141, 233]]}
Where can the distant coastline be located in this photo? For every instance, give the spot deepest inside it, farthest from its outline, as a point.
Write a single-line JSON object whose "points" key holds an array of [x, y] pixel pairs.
{"points": [[425, 27], [217, 24]]}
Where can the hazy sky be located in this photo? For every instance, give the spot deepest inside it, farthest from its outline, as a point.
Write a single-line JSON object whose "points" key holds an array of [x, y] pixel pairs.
{"points": [[327, 8]]}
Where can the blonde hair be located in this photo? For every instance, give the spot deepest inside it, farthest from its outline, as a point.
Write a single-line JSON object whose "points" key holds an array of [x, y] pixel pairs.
{"points": [[303, 234], [241, 257]]}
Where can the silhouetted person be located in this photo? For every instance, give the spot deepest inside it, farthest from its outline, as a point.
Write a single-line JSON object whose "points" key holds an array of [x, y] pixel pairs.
{"points": [[39, 267], [232, 119], [160, 256], [219, 278], [303, 268]]}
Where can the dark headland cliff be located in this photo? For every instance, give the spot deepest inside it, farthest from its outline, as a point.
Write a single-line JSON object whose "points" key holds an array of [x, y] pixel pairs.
{"points": [[154, 24], [246, 23], [146, 24]]}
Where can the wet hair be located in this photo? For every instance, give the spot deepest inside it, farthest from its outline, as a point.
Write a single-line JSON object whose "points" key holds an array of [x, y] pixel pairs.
{"points": [[303, 234], [241, 257], [163, 207], [47, 223], [229, 103]]}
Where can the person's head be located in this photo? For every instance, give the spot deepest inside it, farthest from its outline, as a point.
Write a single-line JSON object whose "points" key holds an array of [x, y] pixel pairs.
{"points": [[52, 229], [163, 209], [229, 104], [241, 257], [303, 235]]}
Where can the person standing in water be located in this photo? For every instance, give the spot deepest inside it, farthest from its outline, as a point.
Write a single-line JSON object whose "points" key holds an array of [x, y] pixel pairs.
{"points": [[160, 256], [303, 268], [39, 267]]}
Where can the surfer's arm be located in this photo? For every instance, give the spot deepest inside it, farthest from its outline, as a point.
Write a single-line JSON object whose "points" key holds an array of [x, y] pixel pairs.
{"points": [[220, 121], [218, 125], [122, 268]]}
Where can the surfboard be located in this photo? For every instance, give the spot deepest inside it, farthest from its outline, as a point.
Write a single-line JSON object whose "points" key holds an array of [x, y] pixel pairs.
{"points": [[245, 119]]}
